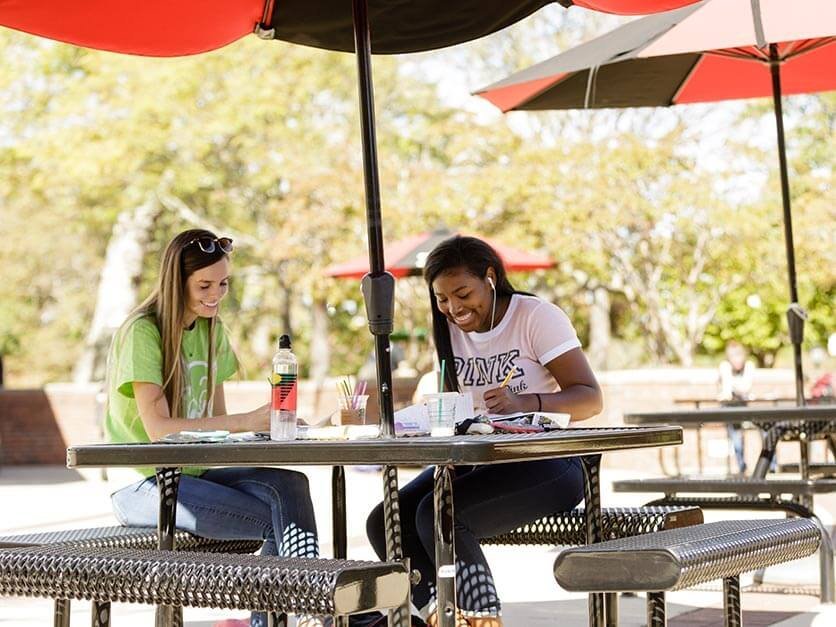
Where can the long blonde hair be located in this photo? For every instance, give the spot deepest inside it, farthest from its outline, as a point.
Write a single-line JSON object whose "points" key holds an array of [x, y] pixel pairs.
{"points": [[166, 307]]}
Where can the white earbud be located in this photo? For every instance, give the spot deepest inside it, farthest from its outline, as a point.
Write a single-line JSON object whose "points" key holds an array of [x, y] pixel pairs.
{"points": [[490, 282]]}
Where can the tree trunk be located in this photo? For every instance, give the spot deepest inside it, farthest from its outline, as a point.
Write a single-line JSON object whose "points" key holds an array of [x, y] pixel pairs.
{"points": [[118, 285], [599, 329], [320, 349], [320, 354]]}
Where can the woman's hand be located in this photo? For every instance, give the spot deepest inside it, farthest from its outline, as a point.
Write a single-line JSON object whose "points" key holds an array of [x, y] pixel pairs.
{"points": [[260, 418], [504, 401]]}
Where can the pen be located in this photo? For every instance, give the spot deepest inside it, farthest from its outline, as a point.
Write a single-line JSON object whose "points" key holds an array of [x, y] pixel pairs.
{"points": [[508, 377]]}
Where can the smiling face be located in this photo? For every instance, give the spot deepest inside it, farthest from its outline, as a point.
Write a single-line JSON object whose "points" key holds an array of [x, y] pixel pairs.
{"points": [[464, 299], [205, 289]]}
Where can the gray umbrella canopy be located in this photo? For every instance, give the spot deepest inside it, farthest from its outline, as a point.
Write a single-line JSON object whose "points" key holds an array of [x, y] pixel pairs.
{"points": [[620, 76]]}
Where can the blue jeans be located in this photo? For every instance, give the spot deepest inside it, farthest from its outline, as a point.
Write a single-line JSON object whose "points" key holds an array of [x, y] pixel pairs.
{"points": [[487, 500], [735, 433], [269, 504]]}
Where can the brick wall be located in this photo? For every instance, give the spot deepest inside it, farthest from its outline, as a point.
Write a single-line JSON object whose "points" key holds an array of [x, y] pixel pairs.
{"points": [[36, 426]]}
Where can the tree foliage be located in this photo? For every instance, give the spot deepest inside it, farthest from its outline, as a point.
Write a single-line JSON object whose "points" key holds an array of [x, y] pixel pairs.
{"points": [[260, 141]]}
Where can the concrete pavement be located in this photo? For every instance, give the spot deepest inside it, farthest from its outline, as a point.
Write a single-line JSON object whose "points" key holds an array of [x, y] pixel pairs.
{"points": [[43, 498]]}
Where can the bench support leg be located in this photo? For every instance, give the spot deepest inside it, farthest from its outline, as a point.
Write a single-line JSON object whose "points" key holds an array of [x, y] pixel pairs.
{"points": [[731, 601], [594, 525], [656, 616], [168, 480], [338, 512], [827, 583], [445, 554], [398, 617], [338, 523], [62, 613], [804, 467], [100, 614], [274, 619]]}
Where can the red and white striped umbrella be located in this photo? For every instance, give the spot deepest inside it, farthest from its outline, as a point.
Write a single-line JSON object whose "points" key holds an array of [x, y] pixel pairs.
{"points": [[714, 50], [705, 52]]}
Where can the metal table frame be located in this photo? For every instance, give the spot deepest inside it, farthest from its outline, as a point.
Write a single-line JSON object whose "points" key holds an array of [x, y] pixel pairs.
{"points": [[780, 419], [714, 402], [444, 453]]}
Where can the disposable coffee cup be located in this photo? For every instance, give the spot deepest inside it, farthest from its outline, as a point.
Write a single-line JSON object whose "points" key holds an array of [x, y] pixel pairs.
{"points": [[353, 409], [441, 412]]}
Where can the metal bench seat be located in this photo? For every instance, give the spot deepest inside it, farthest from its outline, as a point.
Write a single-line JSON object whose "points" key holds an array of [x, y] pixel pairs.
{"points": [[681, 558], [216, 580], [128, 538], [569, 528], [747, 493], [124, 538]]}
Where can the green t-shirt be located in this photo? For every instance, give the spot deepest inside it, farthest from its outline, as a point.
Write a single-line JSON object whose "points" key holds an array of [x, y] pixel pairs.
{"points": [[136, 356]]}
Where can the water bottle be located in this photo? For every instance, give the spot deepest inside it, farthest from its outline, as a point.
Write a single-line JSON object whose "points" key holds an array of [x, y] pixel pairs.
{"points": [[283, 402]]}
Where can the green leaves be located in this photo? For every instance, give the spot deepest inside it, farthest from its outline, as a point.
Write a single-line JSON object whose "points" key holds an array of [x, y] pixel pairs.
{"points": [[260, 141]]}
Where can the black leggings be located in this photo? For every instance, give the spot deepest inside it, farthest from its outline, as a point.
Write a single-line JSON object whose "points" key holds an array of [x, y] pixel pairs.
{"points": [[487, 500]]}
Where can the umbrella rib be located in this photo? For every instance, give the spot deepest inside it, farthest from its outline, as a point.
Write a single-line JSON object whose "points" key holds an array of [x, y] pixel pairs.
{"points": [[744, 54], [795, 49], [808, 45]]}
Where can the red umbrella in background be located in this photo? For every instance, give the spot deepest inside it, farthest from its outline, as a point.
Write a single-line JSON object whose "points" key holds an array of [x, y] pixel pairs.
{"points": [[714, 50], [406, 257], [629, 7]]}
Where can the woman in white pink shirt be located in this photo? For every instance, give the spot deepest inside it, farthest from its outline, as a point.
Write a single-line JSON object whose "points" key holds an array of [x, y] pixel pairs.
{"points": [[485, 329]]}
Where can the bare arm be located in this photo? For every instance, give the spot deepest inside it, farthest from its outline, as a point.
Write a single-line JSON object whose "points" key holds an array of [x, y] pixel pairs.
{"points": [[157, 420], [219, 401], [579, 395]]}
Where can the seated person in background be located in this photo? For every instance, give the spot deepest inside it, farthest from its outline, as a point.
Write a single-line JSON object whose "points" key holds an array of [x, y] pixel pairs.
{"points": [[735, 379], [483, 328]]}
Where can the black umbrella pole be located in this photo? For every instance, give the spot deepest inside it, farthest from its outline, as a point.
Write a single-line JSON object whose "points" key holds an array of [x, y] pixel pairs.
{"points": [[378, 286], [795, 314]]}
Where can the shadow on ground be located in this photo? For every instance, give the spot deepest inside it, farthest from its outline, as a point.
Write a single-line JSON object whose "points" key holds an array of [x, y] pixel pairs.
{"points": [[573, 613]]}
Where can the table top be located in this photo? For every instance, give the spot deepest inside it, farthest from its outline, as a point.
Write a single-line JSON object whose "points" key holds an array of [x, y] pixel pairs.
{"points": [[735, 485], [749, 402], [467, 449], [733, 414]]}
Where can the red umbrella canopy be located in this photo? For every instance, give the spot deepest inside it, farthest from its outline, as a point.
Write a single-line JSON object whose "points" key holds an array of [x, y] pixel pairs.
{"points": [[631, 7], [406, 257], [714, 50], [181, 27]]}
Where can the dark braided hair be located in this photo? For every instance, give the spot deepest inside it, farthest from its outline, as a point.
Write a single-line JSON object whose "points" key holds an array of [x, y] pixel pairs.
{"points": [[474, 256]]}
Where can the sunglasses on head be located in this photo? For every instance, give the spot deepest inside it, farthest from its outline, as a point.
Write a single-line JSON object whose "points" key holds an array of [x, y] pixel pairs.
{"points": [[207, 244]]}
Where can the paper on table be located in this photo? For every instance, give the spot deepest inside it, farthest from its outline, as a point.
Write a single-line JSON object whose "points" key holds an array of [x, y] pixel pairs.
{"points": [[412, 420], [196, 436]]}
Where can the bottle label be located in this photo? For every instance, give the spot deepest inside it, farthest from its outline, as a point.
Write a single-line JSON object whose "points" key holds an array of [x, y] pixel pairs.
{"points": [[284, 391]]}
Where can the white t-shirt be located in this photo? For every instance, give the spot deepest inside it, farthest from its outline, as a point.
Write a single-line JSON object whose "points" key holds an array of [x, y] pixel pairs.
{"points": [[531, 333]]}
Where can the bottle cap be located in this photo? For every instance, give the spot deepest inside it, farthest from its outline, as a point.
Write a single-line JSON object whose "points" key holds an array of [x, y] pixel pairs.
{"points": [[284, 341]]}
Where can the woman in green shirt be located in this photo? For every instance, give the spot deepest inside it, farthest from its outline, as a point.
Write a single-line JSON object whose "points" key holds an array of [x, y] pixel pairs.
{"points": [[166, 371]]}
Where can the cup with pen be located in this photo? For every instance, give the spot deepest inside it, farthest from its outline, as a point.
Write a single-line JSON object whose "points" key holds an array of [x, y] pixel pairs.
{"points": [[441, 408], [352, 403]]}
